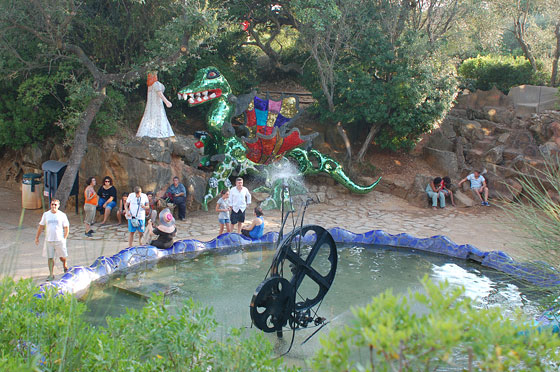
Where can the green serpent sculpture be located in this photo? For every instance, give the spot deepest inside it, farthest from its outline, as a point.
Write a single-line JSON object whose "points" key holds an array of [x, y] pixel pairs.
{"points": [[268, 139]]}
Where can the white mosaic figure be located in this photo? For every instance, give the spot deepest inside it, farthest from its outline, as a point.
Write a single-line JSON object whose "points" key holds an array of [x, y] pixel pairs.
{"points": [[154, 122]]}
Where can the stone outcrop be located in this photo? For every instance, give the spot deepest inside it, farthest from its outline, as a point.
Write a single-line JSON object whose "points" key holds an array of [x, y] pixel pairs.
{"points": [[485, 131], [148, 162]]}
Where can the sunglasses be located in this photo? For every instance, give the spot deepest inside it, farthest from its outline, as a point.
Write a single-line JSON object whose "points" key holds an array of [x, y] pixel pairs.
{"points": [[107, 181], [55, 204]]}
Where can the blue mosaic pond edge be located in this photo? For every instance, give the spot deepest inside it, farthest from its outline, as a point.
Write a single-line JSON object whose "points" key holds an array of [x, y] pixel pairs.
{"points": [[79, 278]]}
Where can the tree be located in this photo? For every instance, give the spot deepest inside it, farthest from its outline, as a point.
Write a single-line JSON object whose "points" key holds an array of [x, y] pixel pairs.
{"points": [[109, 43], [376, 65]]}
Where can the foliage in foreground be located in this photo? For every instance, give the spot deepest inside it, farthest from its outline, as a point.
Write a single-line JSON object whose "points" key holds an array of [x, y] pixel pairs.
{"points": [[422, 331], [51, 335], [436, 329], [537, 215]]}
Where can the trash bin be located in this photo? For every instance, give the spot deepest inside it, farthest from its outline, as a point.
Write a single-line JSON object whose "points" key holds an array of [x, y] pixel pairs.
{"points": [[31, 191]]}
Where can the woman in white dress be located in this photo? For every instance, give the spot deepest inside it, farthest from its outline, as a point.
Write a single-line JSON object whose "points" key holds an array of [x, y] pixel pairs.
{"points": [[154, 122]]}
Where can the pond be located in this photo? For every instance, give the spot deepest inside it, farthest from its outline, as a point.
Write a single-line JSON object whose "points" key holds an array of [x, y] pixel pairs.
{"points": [[226, 280]]}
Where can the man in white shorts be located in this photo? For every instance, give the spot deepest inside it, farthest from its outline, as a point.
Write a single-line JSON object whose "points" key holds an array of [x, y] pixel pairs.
{"points": [[137, 204], [478, 186], [58, 227]]}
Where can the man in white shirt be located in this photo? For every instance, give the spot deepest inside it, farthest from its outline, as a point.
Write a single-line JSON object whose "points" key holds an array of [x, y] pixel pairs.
{"points": [[137, 204], [58, 227], [478, 186], [239, 198]]}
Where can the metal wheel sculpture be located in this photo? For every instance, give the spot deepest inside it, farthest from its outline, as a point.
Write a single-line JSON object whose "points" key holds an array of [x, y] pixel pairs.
{"points": [[277, 300]]}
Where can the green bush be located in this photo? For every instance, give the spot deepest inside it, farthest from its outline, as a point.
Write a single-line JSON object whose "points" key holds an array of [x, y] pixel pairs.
{"points": [[50, 334], [27, 111], [436, 329], [503, 72]]}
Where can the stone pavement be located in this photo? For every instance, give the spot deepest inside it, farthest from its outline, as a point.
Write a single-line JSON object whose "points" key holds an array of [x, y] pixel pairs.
{"points": [[483, 227]]}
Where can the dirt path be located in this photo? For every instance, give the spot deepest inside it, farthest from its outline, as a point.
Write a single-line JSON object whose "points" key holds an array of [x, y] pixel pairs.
{"points": [[483, 227]]}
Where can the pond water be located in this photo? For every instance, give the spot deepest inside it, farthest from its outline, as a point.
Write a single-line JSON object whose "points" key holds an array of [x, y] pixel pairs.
{"points": [[227, 280]]}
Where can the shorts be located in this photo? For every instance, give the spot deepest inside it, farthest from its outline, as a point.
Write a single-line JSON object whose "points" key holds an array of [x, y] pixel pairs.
{"points": [[58, 247], [89, 213], [223, 220], [140, 227], [110, 205], [237, 217]]}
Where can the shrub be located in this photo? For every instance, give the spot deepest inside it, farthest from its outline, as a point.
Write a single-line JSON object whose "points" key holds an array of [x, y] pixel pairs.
{"points": [[50, 334], [503, 72], [437, 329]]}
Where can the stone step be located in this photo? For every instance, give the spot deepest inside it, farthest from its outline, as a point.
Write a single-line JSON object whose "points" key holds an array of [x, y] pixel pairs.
{"points": [[474, 154], [486, 144], [510, 154]]}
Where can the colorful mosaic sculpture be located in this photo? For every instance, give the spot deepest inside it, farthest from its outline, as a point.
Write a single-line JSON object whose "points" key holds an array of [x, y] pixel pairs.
{"points": [[268, 139]]}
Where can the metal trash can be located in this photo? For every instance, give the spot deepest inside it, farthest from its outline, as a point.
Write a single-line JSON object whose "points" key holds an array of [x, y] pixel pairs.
{"points": [[31, 191]]}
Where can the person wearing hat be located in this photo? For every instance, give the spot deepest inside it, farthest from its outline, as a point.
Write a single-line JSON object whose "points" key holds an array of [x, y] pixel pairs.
{"points": [[165, 231]]}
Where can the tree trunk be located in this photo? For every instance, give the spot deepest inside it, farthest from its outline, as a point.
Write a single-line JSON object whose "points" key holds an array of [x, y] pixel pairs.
{"points": [[519, 25], [372, 132], [344, 136], [554, 75], [79, 148]]}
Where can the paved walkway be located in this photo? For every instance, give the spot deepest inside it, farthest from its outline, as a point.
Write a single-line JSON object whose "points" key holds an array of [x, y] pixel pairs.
{"points": [[483, 227]]}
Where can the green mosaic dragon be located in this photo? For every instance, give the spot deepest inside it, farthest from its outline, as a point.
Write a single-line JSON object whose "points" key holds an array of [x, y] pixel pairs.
{"points": [[268, 138]]}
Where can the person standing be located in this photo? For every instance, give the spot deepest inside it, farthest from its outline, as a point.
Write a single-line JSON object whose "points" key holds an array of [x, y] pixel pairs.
{"points": [[57, 229], [178, 194], [223, 207], [136, 206], [90, 205], [107, 198], [239, 198]]}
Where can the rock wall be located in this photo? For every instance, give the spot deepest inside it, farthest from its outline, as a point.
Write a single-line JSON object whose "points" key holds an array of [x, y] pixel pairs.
{"points": [[147, 162], [485, 131]]}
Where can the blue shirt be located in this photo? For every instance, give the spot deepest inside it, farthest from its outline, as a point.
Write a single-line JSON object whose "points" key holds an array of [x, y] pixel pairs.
{"points": [[257, 231], [177, 190]]}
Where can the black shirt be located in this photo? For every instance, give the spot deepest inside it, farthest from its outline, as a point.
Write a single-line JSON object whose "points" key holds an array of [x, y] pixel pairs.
{"points": [[107, 193], [164, 240]]}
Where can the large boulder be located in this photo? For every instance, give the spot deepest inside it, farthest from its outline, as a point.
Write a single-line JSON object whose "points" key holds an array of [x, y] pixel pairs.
{"points": [[494, 155], [417, 192], [440, 142], [445, 161]]}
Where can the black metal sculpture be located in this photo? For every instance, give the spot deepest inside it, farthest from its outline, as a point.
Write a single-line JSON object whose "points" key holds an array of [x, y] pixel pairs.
{"points": [[306, 257]]}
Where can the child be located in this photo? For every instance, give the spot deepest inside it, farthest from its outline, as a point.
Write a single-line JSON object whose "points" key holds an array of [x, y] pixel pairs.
{"points": [[121, 212], [445, 185], [223, 207], [256, 228]]}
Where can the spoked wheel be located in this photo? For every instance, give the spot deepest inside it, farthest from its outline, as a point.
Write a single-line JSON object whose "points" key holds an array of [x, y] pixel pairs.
{"points": [[271, 304], [312, 257]]}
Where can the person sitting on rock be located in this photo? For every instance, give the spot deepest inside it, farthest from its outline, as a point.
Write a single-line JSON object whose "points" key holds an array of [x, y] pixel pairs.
{"points": [[122, 207], [107, 198], [478, 186], [151, 214], [446, 188], [256, 228], [434, 190], [165, 231], [178, 193]]}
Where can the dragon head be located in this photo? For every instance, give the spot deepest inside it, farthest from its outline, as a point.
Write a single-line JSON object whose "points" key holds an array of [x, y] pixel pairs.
{"points": [[208, 85]]}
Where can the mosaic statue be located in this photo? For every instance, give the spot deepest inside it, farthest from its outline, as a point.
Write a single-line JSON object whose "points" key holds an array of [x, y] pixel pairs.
{"points": [[267, 135], [154, 122]]}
